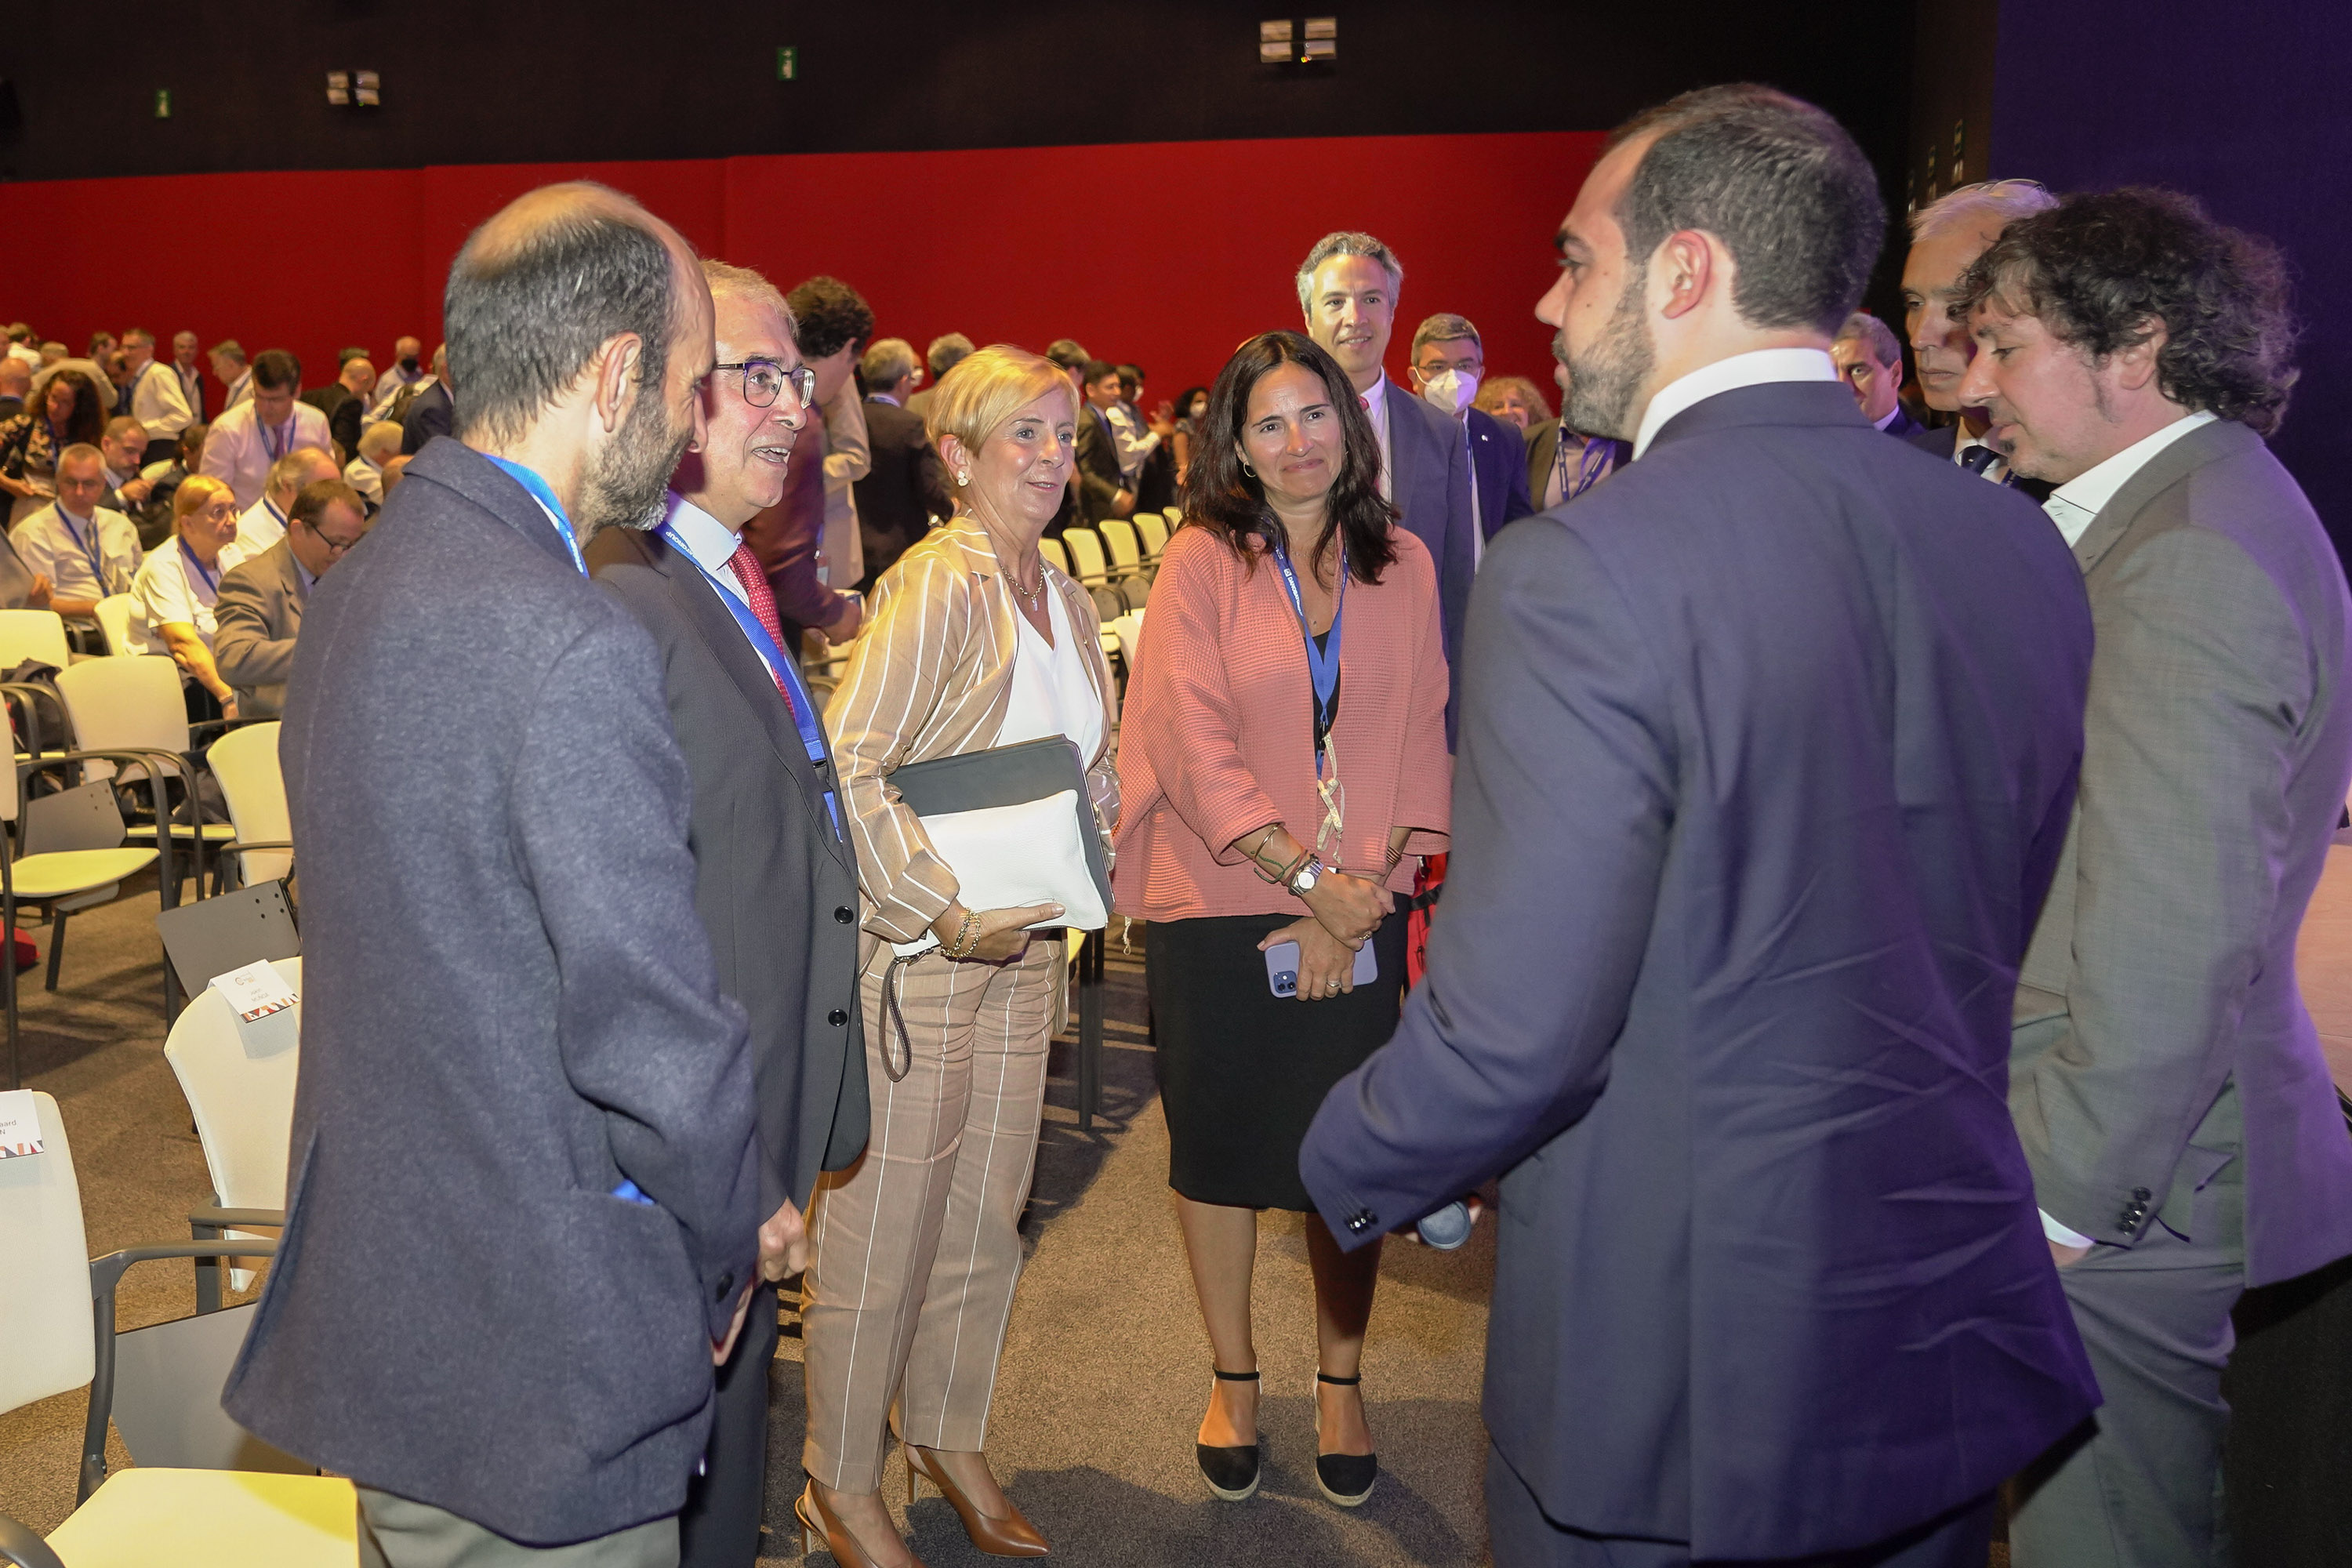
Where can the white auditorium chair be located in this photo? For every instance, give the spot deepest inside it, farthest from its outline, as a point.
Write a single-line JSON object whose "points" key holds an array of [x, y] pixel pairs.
{"points": [[114, 623], [1153, 530], [244, 764], [1128, 575], [1092, 571], [1059, 558], [138, 705], [38, 635], [239, 1081]]}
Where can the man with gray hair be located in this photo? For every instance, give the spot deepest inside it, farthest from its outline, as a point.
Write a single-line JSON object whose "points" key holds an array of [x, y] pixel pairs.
{"points": [[379, 444], [233, 370], [155, 399], [1870, 362], [948, 350], [1947, 236], [1348, 288], [1448, 363]]}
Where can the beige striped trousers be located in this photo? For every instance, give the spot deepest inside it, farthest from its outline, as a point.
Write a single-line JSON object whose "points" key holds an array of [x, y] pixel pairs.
{"points": [[915, 1247]]}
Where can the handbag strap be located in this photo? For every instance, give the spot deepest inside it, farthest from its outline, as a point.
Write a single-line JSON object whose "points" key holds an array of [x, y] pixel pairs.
{"points": [[896, 1070]]}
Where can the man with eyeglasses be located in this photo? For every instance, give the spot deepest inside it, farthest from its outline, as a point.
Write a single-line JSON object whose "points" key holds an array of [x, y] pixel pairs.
{"points": [[258, 612], [775, 875]]}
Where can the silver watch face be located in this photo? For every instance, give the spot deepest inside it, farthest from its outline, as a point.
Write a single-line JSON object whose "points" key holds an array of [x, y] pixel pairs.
{"points": [[1306, 877]]}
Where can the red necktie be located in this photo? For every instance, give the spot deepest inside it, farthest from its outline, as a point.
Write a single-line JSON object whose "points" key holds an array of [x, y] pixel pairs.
{"points": [[746, 566]]}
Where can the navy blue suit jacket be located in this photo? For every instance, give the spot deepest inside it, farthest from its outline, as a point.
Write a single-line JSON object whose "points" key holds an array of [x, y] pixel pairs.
{"points": [[1498, 463], [1768, 750], [1429, 483]]}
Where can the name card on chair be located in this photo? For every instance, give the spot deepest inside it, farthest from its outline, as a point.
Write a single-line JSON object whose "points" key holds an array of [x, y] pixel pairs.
{"points": [[20, 1124], [254, 991]]}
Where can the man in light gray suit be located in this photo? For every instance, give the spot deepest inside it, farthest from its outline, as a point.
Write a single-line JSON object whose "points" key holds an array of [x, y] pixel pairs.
{"points": [[1348, 288], [2166, 1080], [259, 611]]}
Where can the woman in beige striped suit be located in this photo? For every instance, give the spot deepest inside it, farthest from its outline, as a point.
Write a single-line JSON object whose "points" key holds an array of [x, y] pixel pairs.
{"points": [[972, 642]]}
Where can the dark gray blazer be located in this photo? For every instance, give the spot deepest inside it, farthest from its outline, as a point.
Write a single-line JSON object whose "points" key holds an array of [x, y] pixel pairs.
{"points": [[255, 620], [776, 888], [1429, 481], [1767, 750], [510, 1006], [2160, 1033]]}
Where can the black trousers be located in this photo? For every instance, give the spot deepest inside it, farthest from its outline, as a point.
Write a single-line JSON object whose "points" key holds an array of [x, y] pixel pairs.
{"points": [[719, 1526]]}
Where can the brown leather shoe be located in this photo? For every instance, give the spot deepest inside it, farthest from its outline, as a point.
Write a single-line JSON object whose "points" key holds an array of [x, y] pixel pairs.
{"points": [[1012, 1536], [819, 1524]]}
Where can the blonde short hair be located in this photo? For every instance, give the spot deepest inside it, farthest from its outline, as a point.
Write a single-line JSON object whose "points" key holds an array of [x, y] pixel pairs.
{"points": [[194, 491], [988, 387]]}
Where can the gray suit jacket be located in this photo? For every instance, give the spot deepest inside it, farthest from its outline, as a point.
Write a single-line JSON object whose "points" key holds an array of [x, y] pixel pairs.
{"points": [[2159, 1030], [510, 1006], [255, 618], [776, 887], [1429, 482]]}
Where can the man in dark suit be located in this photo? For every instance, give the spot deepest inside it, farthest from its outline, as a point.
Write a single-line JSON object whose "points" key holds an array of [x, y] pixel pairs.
{"points": [[1448, 361], [257, 617], [1102, 491], [514, 1035], [1947, 235], [1767, 754], [1348, 290], [2168, 1083], [776, 879], [344, 400], [1869, 360], [907, 486], [432, 408], [948, 350]]}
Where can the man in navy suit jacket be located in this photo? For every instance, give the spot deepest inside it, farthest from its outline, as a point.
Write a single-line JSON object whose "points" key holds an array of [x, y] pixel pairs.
{"points": [[1448, 359], [1768, 750]]}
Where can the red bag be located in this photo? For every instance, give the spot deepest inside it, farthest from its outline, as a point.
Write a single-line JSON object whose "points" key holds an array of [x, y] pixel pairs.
{"points": [[21, 949], [1427, 883]]}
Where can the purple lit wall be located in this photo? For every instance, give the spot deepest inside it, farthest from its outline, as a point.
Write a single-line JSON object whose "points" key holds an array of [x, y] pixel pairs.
{"points": [[2240, 105]]}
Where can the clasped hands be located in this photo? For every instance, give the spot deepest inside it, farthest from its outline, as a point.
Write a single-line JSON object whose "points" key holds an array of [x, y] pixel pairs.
{"points": [[1343, 912]]}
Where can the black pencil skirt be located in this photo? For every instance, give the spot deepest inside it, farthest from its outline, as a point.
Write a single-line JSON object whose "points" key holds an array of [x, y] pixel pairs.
{"points": [[1243, 1072]]}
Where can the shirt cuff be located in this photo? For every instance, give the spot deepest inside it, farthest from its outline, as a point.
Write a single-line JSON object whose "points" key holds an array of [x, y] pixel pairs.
{"points": [[2059, 1233]]}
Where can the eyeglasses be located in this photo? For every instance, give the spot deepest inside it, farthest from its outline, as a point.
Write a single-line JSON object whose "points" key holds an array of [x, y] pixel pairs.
{"points": [[763, 379]]}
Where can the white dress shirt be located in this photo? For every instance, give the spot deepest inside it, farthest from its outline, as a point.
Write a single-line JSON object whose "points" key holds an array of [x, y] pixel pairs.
{"points": [[192, 387], [172, 586], [159, 402], [1376, 407], [238, 451], [2075, 504], [238, 391], [712, 544], [1754, 368], [83, 557], [365, 478], [1133, 441], [261, 526]]}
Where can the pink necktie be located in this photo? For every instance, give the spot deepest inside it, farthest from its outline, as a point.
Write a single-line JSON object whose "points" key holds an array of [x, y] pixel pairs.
{"points": [[746, 566]]}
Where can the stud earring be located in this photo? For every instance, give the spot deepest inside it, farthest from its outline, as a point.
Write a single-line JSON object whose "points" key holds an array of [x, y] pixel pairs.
{"points": [[963, 478]]}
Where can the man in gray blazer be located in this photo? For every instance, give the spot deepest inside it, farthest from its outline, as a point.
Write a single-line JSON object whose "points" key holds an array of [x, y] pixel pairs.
{"points": [[2168, 1083], [1348, 290], [522, 1227], [259, 614], [1767, 750], [776, 879]]}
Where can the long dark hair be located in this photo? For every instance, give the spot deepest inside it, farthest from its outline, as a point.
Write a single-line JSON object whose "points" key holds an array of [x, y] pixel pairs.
{"points": [[86, 423], [1220, 497]]}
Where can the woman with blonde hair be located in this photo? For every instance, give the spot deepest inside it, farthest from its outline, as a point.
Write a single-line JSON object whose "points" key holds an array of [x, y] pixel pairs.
{"points": [[172, 596], [972, 642]]}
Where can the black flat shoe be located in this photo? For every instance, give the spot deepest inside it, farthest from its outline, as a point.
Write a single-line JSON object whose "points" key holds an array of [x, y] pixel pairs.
{"points": [[1345, 1478], [1232, 1473]]}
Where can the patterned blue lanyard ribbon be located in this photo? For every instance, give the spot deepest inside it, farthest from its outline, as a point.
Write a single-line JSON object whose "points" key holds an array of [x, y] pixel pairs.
{"points": [[530, 481], [90, 547], [1323, 662], [780, 669]]}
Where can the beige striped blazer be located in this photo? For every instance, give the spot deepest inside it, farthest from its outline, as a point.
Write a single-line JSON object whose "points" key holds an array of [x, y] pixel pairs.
{"points": [[930, 677]]}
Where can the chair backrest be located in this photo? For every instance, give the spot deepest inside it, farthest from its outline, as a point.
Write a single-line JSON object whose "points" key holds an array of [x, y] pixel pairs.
{"points": [[117, 704], [1130, 629], [32, 634], [1119, 534], [1051, 549], [45, 1311], [1085, 548], [245, 761], [114, 623], [238, 1078], [1154, 530]]}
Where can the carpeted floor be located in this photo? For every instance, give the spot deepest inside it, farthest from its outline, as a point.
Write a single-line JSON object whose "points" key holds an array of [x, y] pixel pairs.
{"points": [[1106, 1368]]}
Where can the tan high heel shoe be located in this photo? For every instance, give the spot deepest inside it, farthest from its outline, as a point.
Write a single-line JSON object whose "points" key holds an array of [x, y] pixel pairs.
{"points": [[824, 1526], [1012, 1536]]}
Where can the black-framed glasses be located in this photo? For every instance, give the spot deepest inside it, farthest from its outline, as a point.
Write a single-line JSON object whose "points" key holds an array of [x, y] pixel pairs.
{"points": [[764, 379]]}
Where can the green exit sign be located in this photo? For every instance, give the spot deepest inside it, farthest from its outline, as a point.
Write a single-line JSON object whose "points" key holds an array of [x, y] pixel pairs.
{"points": [[163, 103], [788, 62]]}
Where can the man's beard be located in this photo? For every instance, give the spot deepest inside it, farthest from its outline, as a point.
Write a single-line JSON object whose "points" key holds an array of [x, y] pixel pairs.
{"points": [[1604, 379], [628, 480]]}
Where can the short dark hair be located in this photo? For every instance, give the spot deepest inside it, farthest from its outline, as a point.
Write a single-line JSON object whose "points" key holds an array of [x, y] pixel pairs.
{"points": [[2099, 269], [276, 370], [1069, 353], [1096, 369], [827, 315], [1777, 181], [527, 309], [1230, 503], [318, 495]]}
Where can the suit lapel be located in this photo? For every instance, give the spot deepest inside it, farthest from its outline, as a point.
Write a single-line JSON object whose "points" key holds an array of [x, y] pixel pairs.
{"points": [[2206, 444]]}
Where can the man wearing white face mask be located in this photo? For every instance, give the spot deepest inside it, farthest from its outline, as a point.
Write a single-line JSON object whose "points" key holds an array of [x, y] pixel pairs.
{"points": [[1448, 363]]}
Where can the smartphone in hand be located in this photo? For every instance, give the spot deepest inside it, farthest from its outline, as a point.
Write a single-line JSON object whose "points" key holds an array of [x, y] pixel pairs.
{"points": [[1282, 967]]}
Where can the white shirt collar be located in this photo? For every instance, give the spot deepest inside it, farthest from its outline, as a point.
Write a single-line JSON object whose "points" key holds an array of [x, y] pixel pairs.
{"points": [[710, 542], [2075, 504], [1376, 400], [1754, 368]]}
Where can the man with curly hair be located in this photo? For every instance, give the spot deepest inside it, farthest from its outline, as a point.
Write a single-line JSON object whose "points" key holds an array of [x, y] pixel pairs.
{"points": [[2166, 1080]]}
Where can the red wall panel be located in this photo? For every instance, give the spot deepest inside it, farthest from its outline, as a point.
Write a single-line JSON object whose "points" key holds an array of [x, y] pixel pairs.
{"points": [[1163, 253]]}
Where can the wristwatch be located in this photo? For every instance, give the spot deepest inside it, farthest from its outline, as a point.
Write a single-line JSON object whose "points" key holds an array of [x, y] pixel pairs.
{"points": [[1302, 881]]}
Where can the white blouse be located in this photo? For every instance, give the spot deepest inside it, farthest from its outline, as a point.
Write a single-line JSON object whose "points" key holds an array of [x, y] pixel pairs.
{"points": [[1051, 694]]}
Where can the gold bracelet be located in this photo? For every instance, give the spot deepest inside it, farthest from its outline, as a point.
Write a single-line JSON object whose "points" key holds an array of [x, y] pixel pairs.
{"points": [[963, 944]]}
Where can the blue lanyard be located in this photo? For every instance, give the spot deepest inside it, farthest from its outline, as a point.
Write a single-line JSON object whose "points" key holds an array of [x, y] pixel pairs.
{"points": [[211, 580], [88, 546], [1322, 663], [280, 441], [279, 517], [530, 481], [780, 669], [1589, 465]]}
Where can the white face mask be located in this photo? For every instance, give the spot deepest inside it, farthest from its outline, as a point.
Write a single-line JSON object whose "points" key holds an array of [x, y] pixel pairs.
{"points": [[1450, 391]]}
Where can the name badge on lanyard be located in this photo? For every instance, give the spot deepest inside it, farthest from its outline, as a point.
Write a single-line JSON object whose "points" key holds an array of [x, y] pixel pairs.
{"points": [[1323, 672]]}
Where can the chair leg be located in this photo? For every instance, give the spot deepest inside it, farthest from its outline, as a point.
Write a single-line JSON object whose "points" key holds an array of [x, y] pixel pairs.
{"points": [[57, 944], [9, 924], [208, 1269]]}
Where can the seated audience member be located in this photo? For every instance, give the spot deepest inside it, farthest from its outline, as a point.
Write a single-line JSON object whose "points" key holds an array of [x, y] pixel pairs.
{"points": [[232, 371], [948, 350], [1513, 399], [15, 386], [395, 468], [267, 427], [262, 523], [52, 353], [154, 396], [163, 481], [1240, 739], [344, 400], [407, 371], [1191, 407], [185, 349], [259, 610], [21, 587], [831, 321], [430, 409], [1102, 490], [173, 597], [907, 487], [1947, 235], [66, 410], [123, 448], [117, 363], [1870, 361], [1448, 361], [21, 347], [85, 550], [379, 444]]}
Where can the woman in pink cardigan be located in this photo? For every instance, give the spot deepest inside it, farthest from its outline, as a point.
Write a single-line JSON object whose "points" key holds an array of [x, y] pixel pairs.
{"points": [[1283, 758]]}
